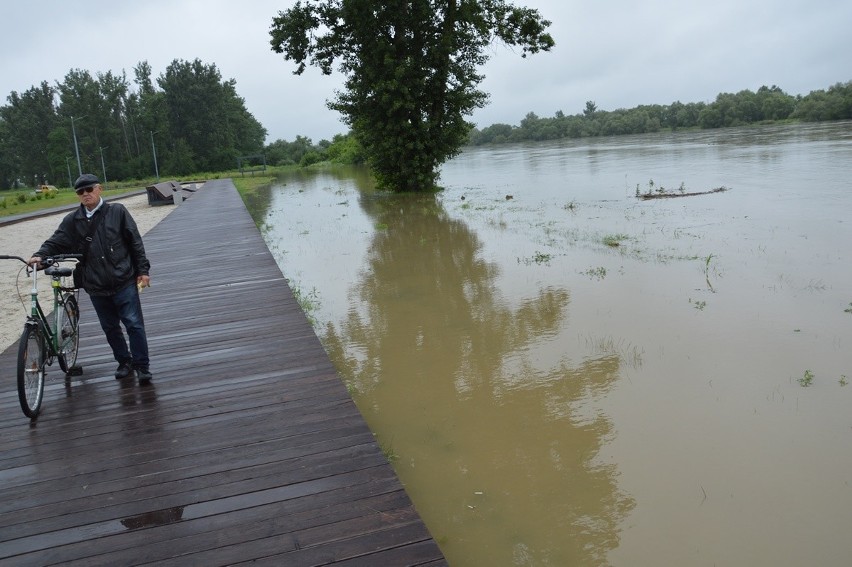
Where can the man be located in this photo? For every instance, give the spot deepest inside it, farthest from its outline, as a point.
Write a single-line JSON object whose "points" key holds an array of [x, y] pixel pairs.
{"points": [[114, 269]]}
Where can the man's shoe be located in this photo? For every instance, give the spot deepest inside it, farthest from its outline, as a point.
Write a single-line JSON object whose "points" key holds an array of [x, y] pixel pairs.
{"points": [[144, 375], [123, 371]]}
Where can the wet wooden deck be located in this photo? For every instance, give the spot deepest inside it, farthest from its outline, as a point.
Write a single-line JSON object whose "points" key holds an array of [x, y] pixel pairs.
{"points": [[245, 448]]}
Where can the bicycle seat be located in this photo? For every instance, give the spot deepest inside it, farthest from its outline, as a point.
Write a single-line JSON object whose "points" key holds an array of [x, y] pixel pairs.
{"points": [[58, 271]]}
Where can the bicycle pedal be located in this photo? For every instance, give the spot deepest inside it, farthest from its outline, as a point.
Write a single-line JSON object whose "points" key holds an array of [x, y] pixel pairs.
{"points": [[75, 371]]}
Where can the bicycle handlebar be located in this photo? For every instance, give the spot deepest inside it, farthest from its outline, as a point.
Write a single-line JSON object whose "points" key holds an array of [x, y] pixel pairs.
{"points": [[5, 257], [47, 260], [50, 260]]}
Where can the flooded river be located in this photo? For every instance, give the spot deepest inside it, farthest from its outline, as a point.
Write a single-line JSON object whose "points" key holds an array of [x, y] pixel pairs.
{"points": [[564, 374]]}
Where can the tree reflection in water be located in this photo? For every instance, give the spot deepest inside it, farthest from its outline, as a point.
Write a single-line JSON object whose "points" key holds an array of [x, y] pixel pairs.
{"points": [[497, 447]]}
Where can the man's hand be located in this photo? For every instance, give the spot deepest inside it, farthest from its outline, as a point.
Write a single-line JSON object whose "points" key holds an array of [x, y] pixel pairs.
{"points": [[34, 261], [142, 282]]}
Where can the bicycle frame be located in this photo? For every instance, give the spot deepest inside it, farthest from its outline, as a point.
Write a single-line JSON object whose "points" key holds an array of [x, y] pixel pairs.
{"points": [[40, 341], [37, 316], [51, 332]]}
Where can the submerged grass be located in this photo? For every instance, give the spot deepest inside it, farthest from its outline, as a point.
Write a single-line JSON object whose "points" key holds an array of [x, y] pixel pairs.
{"points": [[614, 240]]}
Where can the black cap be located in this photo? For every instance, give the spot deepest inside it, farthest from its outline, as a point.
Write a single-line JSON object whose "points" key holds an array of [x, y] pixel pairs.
{"points": [[85, 180]]}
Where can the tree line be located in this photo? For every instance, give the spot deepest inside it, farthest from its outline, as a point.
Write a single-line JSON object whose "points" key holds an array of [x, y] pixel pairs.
{"points": [[768, 104], [187, 120]]}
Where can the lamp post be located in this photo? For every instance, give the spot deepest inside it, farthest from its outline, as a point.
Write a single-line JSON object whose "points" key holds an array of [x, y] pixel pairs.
{"points": [[76, 149], [68, 165], [154, 150], [103, 167]]}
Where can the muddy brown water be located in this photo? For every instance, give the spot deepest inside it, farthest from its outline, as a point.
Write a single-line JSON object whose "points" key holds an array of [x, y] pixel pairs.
{"points": [[563, 374]]}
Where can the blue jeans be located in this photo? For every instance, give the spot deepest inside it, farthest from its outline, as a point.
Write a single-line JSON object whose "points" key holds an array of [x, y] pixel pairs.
{"points": [[123, 308]]}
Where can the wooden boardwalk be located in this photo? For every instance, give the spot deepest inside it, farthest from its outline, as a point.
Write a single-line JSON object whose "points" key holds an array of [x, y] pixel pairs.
{"points": [[245, 448]]}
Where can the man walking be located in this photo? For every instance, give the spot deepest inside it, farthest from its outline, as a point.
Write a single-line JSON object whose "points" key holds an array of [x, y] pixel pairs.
{"points": [[114, 269]]}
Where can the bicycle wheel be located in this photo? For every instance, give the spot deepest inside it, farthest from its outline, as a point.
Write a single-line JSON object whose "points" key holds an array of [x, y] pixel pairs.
{"points": [[69, 336], [31, 357]]}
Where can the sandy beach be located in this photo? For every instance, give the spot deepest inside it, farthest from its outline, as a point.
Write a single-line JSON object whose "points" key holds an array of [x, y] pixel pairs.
{"points": [[24, 238]]}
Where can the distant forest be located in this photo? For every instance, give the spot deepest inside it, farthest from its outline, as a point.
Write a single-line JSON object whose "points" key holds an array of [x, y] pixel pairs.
{"points": [[768, 104]]}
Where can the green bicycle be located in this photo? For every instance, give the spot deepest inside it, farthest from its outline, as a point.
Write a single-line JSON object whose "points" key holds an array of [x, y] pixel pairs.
{"points": [[43, 340]]}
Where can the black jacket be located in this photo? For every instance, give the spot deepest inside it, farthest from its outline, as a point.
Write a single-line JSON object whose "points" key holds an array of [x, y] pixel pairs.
{"points": [[116, 255]]}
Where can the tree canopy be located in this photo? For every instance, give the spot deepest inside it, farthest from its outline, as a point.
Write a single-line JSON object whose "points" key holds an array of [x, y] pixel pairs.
{"points": [[194, 120], [412, 71], [768, 104]]}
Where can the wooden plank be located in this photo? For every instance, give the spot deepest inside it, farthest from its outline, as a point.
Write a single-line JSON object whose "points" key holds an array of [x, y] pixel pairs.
{"points": [[246, 447]]}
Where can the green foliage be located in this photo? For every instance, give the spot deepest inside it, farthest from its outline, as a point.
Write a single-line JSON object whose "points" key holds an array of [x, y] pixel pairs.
{"points": [[195, 120], [614, 240], [768, 104], [806, 379], [206, 115], [596, 273], [281, 152], [345, 149], [411, 72], [310, 158], [833, 104]]}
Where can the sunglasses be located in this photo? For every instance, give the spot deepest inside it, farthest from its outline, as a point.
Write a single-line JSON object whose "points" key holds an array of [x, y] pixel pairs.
{"points": [[85, 190]]}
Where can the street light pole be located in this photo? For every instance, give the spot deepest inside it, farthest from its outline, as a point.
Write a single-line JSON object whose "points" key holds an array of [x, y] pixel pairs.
{"points": [[103, 167], [76, 149], [68, 165], [154, 150]]}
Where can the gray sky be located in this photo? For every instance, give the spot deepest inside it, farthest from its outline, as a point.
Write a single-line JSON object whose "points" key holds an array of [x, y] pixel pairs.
{"points": [[617, 53]]}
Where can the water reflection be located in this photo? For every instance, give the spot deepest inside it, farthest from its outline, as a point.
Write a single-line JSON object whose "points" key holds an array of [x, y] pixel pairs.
{"points": [[154, 519], [492, 428], [471, 366]]}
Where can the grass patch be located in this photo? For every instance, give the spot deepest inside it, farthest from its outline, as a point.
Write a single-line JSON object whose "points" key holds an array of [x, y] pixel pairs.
{"points": [[807, 379], [596, 273], [537, 258], [614, 240], [388, 451], [308, 301]]}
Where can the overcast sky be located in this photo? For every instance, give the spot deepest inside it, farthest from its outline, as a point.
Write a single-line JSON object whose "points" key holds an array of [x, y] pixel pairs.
{"points": [[617, 53]]}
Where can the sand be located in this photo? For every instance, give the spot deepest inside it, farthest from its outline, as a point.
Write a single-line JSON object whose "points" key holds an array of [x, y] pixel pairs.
{"points": [[24, 238]]}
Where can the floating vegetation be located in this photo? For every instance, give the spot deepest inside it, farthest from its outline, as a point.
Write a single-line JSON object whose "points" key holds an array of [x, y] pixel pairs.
{"points": [[807, 379], [659, 192], [598, 273], [707, 272], [537, 258], [614, 240]]}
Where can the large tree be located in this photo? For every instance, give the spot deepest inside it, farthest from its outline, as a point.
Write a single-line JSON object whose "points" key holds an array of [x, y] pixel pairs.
{"points": [[411, 71], [28, 119], [208, 122]]}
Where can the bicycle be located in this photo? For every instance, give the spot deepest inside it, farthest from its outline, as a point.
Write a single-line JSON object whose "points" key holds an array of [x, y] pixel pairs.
{"points": [[42, 341]]}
